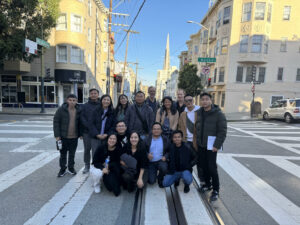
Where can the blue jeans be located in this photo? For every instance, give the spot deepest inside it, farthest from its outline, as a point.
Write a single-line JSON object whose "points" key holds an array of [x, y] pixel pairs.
{"points": [[160, 166], [170, 179]]}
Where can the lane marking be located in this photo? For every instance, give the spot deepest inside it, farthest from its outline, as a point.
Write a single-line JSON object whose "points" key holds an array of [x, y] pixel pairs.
{"points": [[281, 209], [286, 165], [286, 147], [276, 132], [25, 132], [194, 209], [283, 138], [261, 156], [24, 125], [24, 148], [269, 128], [65, 206], [236, 135], [16, 174], [17, 140], [156, 204]]}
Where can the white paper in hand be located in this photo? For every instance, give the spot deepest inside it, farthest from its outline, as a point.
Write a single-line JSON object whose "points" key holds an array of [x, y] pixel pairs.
{"points": [[210, 143]]}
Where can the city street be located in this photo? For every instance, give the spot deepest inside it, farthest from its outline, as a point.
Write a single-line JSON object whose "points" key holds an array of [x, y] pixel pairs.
{"points": [[259, 171]]}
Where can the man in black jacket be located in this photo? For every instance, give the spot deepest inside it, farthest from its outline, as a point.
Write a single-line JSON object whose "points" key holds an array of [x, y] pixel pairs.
{"points": [[86, 113], [66, 126], [181, 161], [157, 148], [211, 129], [151, 100]]}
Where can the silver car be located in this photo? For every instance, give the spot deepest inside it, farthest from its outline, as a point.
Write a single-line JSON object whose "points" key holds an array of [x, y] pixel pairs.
{"points": [[287, 109]]}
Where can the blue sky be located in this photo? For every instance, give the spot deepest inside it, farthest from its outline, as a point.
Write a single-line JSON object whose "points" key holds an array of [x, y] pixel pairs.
{"points": [[156, 20]]}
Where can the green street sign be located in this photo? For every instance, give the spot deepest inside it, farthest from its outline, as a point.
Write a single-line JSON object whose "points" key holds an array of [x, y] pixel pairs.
{"points": [[207, 60], [42, 43]]}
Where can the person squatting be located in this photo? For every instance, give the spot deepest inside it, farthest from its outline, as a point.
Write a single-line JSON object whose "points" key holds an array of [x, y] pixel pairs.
{"points": [[143, 142]]}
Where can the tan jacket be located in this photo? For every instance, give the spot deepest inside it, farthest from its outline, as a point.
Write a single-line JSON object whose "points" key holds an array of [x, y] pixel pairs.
{"points": [[182, 128], [173, 119]]}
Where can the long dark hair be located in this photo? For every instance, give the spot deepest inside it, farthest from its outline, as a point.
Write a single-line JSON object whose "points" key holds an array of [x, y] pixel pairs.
{"points": [[163, 108], [110, 107], [140, 144], [119, 105]]}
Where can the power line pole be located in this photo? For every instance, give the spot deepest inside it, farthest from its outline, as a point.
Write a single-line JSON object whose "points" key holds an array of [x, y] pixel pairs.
{"points": [[125, 61], [108, 53]]}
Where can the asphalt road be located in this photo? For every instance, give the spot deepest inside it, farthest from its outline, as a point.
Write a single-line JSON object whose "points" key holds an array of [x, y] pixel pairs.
{"points": [[259, 173]]}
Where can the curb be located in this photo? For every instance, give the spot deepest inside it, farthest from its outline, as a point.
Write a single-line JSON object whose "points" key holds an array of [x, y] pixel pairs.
{"points": [[27, 114], [246, 120]]}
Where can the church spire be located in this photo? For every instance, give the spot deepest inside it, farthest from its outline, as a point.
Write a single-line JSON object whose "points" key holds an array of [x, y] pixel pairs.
{"points": [[167, 55]]}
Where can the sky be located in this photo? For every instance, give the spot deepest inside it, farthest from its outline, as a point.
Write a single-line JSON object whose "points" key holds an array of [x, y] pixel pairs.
{"points": [[156, 19]]}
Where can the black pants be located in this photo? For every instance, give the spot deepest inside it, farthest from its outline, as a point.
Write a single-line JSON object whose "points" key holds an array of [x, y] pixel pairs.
{"points": [[129, 180], [208, 162], [112, 180], [68, 145], [199, 167]]}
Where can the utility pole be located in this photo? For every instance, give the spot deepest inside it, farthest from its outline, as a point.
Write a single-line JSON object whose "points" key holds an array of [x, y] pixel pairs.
{"points": [[125, 61], [42, 70]]}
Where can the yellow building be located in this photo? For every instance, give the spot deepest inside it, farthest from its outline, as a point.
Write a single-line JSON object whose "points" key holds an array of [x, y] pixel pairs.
{"points": [[77, 57], [242, 34]]}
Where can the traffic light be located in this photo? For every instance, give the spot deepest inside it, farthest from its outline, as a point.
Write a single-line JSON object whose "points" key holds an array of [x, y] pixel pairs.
{"points": [[253, 73], [115, 77], [209, 82], [118, 78]]}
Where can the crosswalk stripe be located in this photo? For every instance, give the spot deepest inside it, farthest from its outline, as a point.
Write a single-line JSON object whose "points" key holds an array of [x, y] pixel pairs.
{"points": [[275, 132], [261, 156], [281, 209], [283, 138], [194, 209], [16, 174], [24, 148], [270, 128], [17, 140], [286, 147], [286, 165], [25, 132], [65, 206], [156, 204], [24, 125]]}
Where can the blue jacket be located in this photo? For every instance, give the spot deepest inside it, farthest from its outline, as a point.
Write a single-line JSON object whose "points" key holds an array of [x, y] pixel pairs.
{"points": [[96, 122], [86, 114]]}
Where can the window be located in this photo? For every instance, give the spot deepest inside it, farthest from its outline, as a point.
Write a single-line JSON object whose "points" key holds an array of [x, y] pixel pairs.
{"points": [[29, 78], [266, 45], [76, 55], [269, 16], [49, 93], [260, 11], [218, 23], [9, 94], [249, 74], [62, 22], [244, 43], [298, 75], [257, 43], [105, 24], [62, 53], [286, 12], [217, 47], [89, 34], [221, 74], [76, 23], [205, 36], [275, 99], [90, 60], [223, 100], [211, 32], [215, 76], [226, 17], [224, 46], [105, 46], [9, 79], [90, 8], [283, 47], [196, 49], [239, 74], [247, 8], [280, 74], [30, 93], [262, 74]]}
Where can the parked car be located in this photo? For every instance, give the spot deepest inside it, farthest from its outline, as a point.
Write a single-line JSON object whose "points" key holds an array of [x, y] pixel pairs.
{"points": [[286, 109]]}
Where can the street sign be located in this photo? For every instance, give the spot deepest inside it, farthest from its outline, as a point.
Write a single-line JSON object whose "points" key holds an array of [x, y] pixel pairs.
{"points": [[30, 46], [205, 70], [256, 82], [207, 60], [42, 43]]}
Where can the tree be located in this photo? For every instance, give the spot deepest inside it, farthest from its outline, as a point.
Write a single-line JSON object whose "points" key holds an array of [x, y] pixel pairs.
{"points": [[20, 19], [189, 80]]}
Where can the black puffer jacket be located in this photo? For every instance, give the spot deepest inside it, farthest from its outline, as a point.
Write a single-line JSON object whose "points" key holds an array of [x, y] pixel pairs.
{"points": [[87, 111], [211, 123], [61, 121]]}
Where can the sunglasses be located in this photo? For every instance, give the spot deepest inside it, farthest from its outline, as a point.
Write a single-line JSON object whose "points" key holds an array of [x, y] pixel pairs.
{"points": [[189, 100]]}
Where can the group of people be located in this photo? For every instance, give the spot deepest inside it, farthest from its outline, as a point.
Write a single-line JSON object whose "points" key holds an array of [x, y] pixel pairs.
{"points": [[143, 142]]}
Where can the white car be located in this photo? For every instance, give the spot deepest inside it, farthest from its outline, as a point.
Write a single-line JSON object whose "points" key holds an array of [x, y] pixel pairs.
{"points": [[287, 109]]}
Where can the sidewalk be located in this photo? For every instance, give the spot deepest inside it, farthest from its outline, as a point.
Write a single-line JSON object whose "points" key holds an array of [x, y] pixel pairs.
{"points": [[27, 111], [241, 116]]}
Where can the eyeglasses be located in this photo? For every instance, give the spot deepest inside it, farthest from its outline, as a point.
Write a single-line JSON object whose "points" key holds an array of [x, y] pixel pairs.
{"points": [[189, 100], [121, 126]]}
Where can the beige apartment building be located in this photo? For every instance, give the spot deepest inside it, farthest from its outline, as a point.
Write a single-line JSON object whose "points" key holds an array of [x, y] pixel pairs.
{"points": [[241, 34], [77, 55]]}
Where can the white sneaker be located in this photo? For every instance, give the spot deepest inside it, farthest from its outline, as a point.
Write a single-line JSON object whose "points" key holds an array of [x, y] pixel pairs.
{"points": [[97, 189]]}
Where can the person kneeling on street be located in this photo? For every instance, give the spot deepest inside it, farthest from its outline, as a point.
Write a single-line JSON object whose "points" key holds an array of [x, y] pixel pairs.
{"points": [[158, 149], [181, 162], [106, 164], [134, 162]]}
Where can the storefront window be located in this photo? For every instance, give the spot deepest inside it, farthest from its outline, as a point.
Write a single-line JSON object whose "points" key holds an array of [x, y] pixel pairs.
{"points": [[9, 94], [48, 94], [67, 91], [30, 93], [9, 79], [29, 78]]}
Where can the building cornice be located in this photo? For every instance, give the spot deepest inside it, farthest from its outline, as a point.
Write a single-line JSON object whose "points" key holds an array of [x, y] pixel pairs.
{"points": [[209, 12], [101, 6]]}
